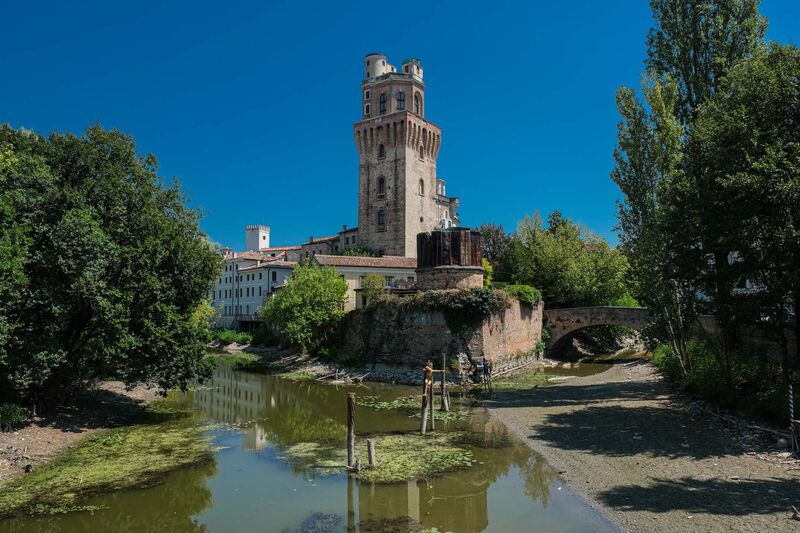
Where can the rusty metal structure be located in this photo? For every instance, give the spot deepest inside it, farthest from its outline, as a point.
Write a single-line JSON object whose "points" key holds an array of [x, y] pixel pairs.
{"points": [[449, 247]]}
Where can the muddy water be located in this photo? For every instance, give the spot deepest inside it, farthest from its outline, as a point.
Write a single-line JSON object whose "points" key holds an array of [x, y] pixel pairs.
{"points": [[252, 486]]}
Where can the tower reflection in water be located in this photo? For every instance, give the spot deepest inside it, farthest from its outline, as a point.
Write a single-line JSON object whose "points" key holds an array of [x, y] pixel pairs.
{"points": [[279, 412]]}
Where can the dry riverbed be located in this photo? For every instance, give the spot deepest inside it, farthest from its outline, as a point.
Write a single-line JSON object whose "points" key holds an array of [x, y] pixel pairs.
{"points": [[624, 440]]}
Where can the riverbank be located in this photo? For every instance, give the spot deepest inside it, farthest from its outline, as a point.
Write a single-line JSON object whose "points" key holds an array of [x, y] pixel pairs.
{"points": [[629, 444], [105, 406], [104, 439]]}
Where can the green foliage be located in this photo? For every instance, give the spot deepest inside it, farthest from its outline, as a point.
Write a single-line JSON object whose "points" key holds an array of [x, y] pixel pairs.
{"points": [[309, 308], [11, 416], [524, 293], [372, 287], [360, 251], [755, 387], [574, 266], [494, 241], [409, 405], [230, 336], [112, 460], [626, 300], [488, 271], [103, 268], [264, 336]]}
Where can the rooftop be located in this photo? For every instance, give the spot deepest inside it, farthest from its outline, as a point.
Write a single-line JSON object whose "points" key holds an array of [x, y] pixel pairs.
{"points": [[387, 261]]}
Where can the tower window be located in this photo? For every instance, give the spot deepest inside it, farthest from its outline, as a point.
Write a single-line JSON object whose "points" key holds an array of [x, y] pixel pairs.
{"points": [[421, 188], [381, 187], [366, 95], [383, 104], [366, 109], [401, 101], [421, 152], [381, 151], [417, 104], [381, 218]]}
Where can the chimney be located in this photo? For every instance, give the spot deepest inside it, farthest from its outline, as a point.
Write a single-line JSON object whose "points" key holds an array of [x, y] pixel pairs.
{"points": [[344, 228], [310, 238]]}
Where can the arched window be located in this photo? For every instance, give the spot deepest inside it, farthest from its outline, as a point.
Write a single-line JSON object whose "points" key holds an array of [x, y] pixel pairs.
{"points": [[421, 188], [381, 186], [383, 103], [381, 151], [401, 101], [417, 104], [421, 152], [381, 218]]}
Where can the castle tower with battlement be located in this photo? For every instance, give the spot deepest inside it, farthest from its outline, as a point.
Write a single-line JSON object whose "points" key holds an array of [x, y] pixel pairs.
{"points": [[399, 192], [256, 237]]}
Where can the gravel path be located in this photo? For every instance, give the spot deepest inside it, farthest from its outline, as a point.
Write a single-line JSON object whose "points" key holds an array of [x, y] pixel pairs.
{"points": [[625, 442]]}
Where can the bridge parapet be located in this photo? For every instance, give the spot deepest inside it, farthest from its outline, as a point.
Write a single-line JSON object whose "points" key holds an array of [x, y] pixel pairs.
{"points": [[564, 321]]}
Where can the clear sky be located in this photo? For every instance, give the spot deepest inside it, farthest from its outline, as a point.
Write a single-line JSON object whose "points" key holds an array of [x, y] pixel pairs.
{"points": [[252, 104]]}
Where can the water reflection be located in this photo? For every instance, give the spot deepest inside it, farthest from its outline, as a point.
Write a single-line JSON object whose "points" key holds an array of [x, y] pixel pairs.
{"points": [[281, 412], [251, 486]]}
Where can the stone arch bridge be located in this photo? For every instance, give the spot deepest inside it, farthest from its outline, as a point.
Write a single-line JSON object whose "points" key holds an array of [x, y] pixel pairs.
{"points": [[563, 322]]}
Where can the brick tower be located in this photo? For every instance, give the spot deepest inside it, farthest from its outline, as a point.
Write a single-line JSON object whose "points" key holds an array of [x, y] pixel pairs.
{"points": [[399, 193]]}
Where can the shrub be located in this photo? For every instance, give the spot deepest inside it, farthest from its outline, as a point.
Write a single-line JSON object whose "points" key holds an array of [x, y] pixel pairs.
{"points": [[229, 336], [264, 336], [756, 385], [372, 287], [307, 311], [460, 307], [10, 416], [524, 293], [488, 271]]}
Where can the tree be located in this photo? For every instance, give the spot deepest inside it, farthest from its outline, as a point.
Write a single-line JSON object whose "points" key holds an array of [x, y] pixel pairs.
{"points": [[359, 251], [494, 241], [308, 308], [372, 286], [671, 229], [746, 146], [695, 42], [572, 265], [108, 269]]}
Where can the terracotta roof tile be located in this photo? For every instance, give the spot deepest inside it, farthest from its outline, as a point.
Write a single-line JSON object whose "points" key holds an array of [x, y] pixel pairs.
{"points": [[280, 263], [387, 261]]}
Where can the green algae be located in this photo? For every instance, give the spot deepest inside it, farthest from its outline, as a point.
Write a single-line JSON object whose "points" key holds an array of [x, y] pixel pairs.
{"points": [[400, 457], [166, 438]]}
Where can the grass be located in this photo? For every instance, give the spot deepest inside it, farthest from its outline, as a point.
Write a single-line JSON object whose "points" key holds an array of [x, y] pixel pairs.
{"points": [[167, 439], [517, 382], [238, 359], [229, 336]]}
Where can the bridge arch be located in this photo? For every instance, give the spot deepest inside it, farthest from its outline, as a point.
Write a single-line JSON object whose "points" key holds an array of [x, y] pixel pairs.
{"points": [[563, 322]]}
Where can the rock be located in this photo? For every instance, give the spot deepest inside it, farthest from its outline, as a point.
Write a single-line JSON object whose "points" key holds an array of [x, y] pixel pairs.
{"points": [[782, 443], [28, 468]]}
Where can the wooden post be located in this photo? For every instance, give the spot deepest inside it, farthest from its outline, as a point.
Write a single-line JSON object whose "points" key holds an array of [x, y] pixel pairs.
{"points": [[424, 425], [432, 409], [351, 508], [445, 399], [351, 429], [371, 452]]}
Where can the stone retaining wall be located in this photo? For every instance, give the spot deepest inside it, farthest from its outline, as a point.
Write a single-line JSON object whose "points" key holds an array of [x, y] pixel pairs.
{"points": [[395, 335]]}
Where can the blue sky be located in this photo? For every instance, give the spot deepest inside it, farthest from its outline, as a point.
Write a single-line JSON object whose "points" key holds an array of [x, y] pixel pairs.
{"points": [[251, 105]]}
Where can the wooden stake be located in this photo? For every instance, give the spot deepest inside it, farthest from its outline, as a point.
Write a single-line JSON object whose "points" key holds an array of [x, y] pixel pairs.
{"points": [[371, 452], [351, 508], [445, 399], [351, 429], [424, 425], [432, 409]]}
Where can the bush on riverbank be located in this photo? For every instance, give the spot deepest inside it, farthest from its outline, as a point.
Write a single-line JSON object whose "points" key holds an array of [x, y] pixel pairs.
{"points": [[308, 309], [756, 387], [229, 336], [168, 438]]}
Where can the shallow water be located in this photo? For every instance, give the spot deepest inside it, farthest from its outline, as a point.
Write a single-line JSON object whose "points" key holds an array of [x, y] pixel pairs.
{"points": [[251, 486]]}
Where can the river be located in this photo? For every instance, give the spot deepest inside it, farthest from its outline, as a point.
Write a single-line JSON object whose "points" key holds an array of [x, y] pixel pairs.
{"points": [[252, 486]]}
